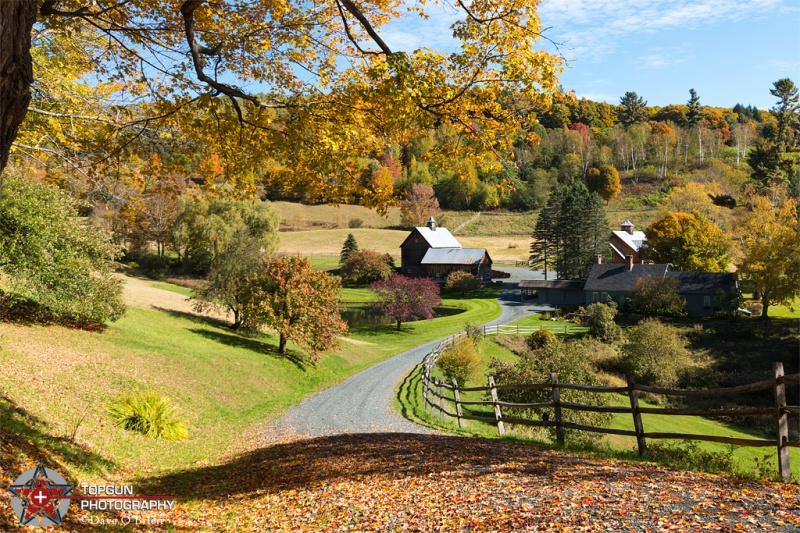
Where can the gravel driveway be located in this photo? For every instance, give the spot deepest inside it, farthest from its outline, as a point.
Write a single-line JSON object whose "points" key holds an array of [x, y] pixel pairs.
{"points": [[363, 403]]}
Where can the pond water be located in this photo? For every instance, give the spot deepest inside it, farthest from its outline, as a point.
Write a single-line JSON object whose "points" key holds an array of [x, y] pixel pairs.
{"points": [[360, 316]]}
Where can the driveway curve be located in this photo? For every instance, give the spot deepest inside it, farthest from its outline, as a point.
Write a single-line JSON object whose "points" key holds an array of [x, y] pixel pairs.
{"points": [[363, 402]]}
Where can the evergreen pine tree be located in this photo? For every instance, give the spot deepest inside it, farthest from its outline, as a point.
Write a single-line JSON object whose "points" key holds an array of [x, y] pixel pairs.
{"points": [[350, 246], [544, 248], [694, 113], [571, 231]]}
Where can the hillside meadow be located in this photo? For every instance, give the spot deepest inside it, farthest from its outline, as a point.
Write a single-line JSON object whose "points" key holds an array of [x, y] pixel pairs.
{"points": [[56, 383]]}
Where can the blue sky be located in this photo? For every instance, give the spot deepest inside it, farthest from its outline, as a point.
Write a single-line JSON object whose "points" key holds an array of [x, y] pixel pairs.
{"points": [[729, 51]]}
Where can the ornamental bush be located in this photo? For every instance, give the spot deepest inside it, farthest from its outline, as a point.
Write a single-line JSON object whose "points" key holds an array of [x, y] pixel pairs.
{"points": [[463, 282], [149, 414], [540, 339], [461, 361]]}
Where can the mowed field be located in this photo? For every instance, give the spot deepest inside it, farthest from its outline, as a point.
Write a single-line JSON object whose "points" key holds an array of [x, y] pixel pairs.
{"points": [[328, 242]]}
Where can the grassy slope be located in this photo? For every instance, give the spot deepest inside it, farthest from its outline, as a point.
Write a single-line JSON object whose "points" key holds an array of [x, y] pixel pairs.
{"points": [[223, 385]]}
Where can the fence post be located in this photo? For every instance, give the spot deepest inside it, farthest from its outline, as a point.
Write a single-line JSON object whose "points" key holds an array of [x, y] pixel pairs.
{"points": [[457, 399], [637, 416], [781, 423], [441, 399], [425, 382], [498, 415], [557, 407], [433, 400]]}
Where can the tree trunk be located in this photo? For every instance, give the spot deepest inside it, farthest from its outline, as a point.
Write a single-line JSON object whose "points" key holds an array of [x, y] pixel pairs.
{"points": [[237, 321], [16, 69], [282, 344], [764, 304], [398, 325]]}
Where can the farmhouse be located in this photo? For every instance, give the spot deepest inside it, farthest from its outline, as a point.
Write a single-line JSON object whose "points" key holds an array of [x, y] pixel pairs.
{"points": [[615, 282], [433, 252]]}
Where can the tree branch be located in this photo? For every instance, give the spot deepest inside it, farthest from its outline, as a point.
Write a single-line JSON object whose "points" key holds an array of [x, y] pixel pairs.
{"points": [[356, 12]]}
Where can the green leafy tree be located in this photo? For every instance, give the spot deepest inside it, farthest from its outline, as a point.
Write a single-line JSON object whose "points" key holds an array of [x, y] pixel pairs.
{"points": [[228, 280], [366, 266], [771, 251], [632, 110], [655, 353], [206, 226], [50, 254], [348, 248], [689, 241], [658, 296], [600, 317], [298, 302], [463, 282]]}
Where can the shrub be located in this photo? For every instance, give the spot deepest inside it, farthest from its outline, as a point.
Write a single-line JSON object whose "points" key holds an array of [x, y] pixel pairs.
{"points": [[572, 363], [655, 354], [463, 282], [149, 414], [689, 456], [355, 223], [600, 318], [540, 339], [366, 266], [654, 296], [460, 361]]}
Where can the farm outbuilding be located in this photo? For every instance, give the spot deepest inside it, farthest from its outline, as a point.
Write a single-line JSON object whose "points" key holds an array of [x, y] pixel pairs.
{"points": [[433, 252]]}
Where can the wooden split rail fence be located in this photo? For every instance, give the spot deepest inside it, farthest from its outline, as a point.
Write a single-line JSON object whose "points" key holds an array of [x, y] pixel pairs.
{"points": [[435, 398], [559, 328]]}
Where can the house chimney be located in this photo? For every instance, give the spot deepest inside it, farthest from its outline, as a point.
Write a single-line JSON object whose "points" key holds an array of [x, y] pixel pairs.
{"points": [[627, 226], [431, 224], [599, 260], [628, 262]]}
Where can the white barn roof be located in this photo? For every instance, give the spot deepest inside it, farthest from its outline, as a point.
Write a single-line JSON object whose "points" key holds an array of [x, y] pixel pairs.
{"points": [[438, 238]]}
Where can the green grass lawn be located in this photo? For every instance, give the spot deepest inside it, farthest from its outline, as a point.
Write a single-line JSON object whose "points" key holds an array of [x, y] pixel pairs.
{"points": [[225, 386], [746, 459]]}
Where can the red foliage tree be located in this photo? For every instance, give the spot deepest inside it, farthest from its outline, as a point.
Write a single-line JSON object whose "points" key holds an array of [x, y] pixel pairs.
{"points": [[403, 299], [301, 304]]}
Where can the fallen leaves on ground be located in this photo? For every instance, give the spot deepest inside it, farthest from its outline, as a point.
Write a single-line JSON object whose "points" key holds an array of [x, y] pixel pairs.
{"points": [[430, 483]]}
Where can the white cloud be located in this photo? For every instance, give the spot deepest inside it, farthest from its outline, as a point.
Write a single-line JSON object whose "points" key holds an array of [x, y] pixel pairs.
{"points": [[591, 28], [659, 58]]}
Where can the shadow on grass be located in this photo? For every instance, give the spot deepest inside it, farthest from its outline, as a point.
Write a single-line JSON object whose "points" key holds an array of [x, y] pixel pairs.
{"points": [[17, 309], [27, 441], [197, 318], [299, 359]]}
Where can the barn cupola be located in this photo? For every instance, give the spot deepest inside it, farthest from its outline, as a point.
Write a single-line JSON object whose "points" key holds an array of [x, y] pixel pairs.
{"points": [[627, 226], [431, 224]]}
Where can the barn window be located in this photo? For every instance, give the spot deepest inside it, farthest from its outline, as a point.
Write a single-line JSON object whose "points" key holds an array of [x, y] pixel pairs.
{"points": [[594, 297], [706, 302]]}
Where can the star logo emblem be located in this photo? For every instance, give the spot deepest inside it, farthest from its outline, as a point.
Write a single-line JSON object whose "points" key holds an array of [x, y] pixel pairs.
{"points": [[40, 495]]}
